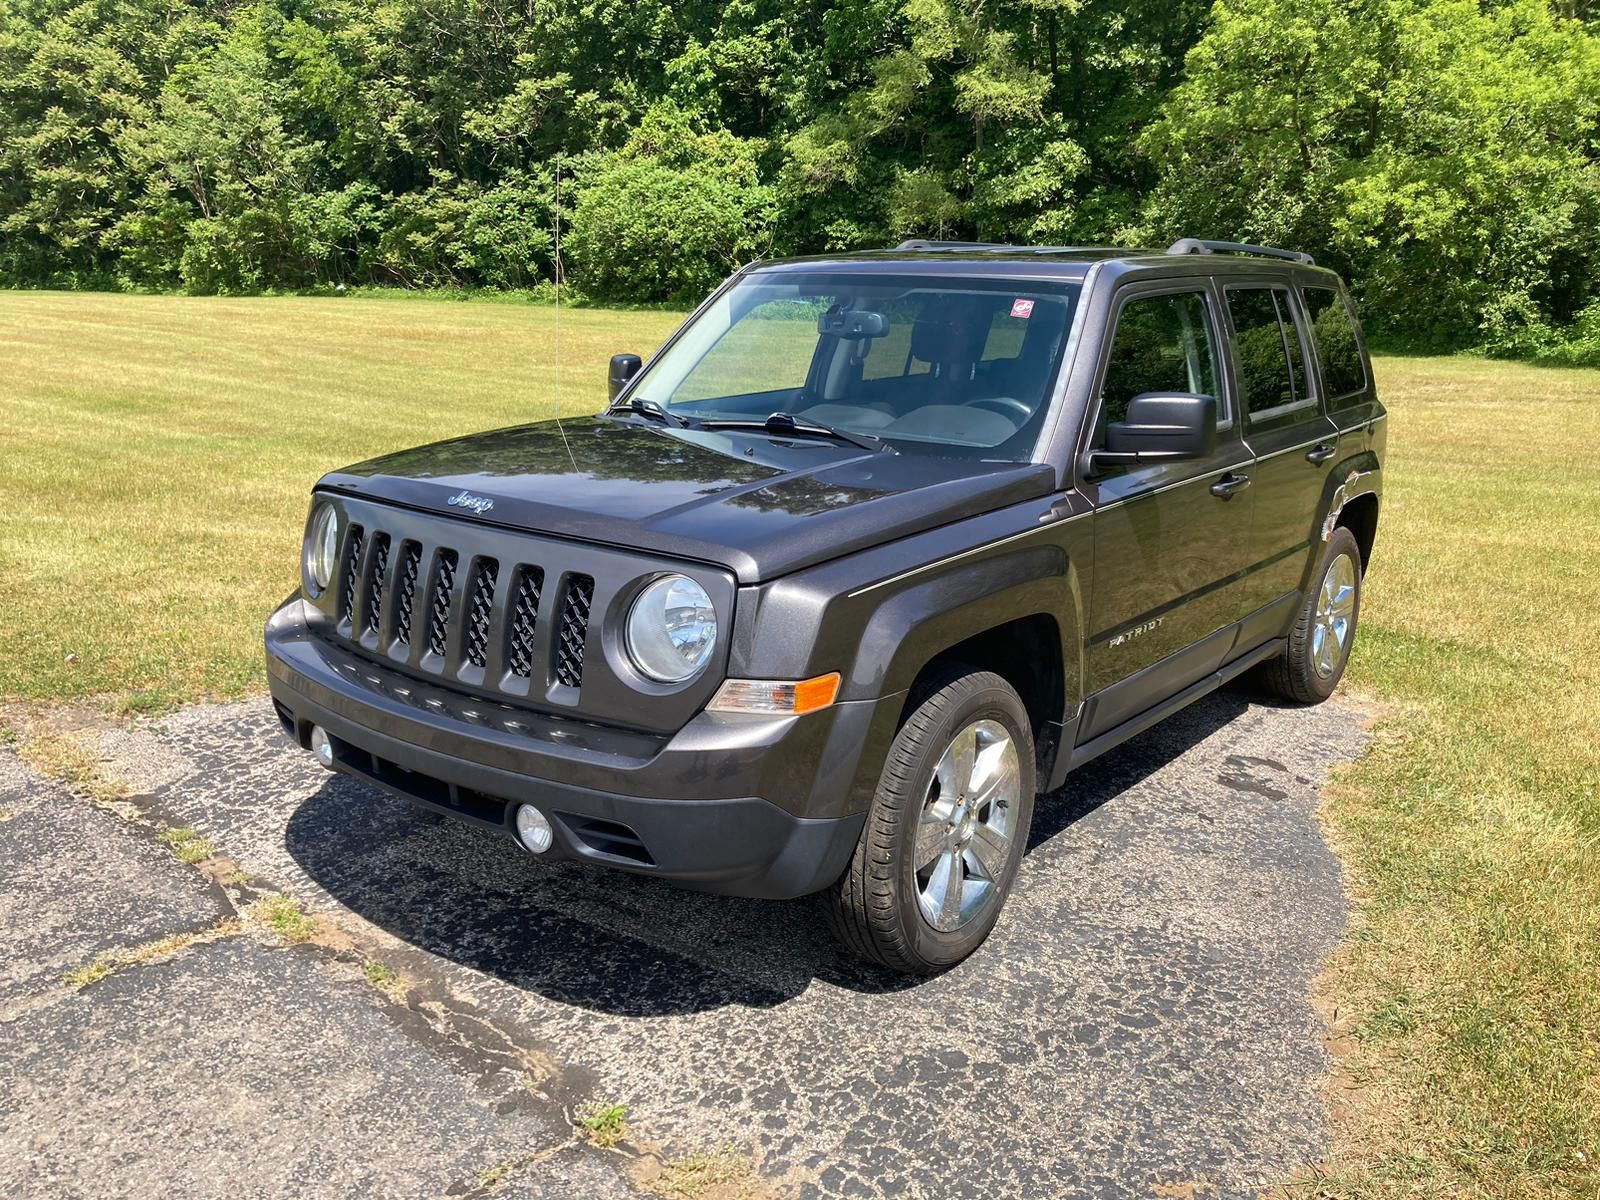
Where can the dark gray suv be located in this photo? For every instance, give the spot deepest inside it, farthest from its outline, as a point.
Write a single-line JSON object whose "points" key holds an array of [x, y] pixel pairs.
{"points": [[873, 550]]}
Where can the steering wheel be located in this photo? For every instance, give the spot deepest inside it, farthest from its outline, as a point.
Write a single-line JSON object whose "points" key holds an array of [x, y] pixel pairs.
{"points": [[1005, 405]]}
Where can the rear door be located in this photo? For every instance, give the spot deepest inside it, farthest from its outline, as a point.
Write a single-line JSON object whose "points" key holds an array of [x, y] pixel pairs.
{"points": [[1347, 394], [1292, 441], [1168, 550]]}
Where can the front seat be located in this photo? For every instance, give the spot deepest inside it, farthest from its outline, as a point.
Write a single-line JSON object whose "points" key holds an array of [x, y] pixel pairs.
{"points": [[949, 338]]}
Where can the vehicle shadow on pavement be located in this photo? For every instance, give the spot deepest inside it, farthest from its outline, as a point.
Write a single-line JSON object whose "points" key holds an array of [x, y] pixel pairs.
{"points": [[618, 943]]}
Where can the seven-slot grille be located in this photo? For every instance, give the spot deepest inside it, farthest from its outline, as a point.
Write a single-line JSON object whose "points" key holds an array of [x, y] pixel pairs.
{"points": [[407, 602]]}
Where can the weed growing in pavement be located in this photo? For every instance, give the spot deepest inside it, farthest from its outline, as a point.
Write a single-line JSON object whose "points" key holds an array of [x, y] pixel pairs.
{"points": [[385, 979], [187, 845], [606, 1123], [285, 918]]}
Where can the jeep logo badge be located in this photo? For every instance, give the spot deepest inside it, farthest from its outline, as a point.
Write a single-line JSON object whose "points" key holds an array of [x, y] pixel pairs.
{"points": [[478, 504]]}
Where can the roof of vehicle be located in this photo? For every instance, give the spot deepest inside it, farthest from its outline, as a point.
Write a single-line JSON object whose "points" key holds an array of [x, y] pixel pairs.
{"points": [[1067, 263]]}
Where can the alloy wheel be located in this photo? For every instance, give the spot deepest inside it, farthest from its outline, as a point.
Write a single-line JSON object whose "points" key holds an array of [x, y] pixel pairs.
{"points": [[1335, 617], [968, 820]]}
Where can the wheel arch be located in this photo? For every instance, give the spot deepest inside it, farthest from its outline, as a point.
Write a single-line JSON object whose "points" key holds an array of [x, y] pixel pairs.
{"points": [[1027, 653], [1360, 517]]}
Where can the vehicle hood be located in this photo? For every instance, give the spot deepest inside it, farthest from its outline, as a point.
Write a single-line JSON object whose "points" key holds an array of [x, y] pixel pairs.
{"points": [[760, 504]]}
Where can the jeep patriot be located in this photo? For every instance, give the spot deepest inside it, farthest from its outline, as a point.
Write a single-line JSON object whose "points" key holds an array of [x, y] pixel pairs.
{"points": [[875, 549]]}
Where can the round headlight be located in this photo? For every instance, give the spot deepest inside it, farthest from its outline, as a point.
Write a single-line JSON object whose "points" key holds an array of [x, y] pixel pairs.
{"points": [[671, 629], [322, 548]]}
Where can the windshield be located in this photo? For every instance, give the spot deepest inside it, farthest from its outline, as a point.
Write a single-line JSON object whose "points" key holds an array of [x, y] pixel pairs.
{"points": [[947, 367]]}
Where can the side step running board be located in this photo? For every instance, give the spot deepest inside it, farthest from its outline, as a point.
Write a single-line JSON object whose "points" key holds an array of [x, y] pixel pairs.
{"points": [[1112, 738]]}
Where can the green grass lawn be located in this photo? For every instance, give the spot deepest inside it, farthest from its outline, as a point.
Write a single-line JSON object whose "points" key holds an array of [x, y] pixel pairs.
{"points": [[158, 454], [154, 466]]}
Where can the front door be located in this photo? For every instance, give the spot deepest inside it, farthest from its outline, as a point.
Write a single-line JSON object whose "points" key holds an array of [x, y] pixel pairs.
{"points": [[1292, 442], [1172, 540]]}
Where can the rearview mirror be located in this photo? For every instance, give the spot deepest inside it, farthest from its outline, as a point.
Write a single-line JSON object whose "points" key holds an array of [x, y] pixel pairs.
{"points": [[852, 325], [623, 368], [1159, 427]]}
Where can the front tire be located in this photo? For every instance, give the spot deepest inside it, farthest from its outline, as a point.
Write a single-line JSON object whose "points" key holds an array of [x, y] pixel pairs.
{"points": [[1313, 661], [946, 830]]}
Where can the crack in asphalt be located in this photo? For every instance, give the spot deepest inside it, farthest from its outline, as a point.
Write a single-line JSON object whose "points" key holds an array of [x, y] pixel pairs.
{"points": [[1138, 1023]]}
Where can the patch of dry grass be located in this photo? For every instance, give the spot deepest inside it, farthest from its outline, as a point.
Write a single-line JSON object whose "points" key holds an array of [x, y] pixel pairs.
{"points": [[1469, 990], [159, 453], [116, 960], [724, 1175], [65, 755]]}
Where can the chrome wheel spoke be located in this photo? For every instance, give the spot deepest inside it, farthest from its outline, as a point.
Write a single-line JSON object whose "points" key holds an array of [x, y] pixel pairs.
{"points": [[958, 762], [941, 899], [1004, 782], [1344, 601], [987, 852]]}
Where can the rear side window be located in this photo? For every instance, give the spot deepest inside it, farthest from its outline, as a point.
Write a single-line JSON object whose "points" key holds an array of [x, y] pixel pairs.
{"points": [[1272, 374], [1162, 344], [1338, 352]]}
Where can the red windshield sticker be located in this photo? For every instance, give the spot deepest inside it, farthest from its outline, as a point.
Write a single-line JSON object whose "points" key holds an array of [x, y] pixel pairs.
{"points": [[1022, 309]]}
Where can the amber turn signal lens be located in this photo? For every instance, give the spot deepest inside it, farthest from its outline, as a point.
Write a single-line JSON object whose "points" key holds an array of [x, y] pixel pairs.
{"points": [[812, 694], [776, 697]]}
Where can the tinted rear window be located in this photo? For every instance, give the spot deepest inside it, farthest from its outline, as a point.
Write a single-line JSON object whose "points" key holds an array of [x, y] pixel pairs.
{"points": [[1333, 325], [1267, 349]]}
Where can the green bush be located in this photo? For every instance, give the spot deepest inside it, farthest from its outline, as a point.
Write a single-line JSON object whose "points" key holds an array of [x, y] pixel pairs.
{"points": [[670, 215], [461, 235], [1438, 151]]}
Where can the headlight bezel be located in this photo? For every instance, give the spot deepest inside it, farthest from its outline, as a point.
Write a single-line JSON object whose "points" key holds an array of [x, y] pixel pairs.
{"points": [[649, 650], [321, 548]]}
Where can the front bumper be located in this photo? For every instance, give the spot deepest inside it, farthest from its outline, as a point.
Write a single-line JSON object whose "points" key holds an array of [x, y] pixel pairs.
{"points": [[747, 805]]}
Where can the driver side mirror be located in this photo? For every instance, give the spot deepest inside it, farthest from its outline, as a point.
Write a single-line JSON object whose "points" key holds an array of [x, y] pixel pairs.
{"points": [[1158, 427], [623, 368]]}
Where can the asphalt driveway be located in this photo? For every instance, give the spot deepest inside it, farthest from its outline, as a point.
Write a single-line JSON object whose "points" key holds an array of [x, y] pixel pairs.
{"points": [[1137, 1026]]}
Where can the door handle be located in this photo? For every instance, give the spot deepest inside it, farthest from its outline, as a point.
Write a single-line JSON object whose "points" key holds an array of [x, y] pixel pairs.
{"points": [[1321, 453], [1229, 484]]}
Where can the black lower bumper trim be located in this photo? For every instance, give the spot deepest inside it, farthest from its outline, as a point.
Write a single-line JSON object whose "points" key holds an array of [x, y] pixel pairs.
{"points": [[746, 847]]}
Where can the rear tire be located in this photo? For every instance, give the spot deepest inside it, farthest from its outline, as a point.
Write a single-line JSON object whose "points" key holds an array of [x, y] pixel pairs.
{"points": [[946, 830], [1313, 661]]}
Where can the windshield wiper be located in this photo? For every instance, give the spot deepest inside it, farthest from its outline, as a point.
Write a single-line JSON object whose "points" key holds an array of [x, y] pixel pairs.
{"points": [[649, 408], [782, 422]]}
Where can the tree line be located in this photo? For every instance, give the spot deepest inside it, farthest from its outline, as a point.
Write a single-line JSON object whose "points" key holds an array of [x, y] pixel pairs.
{"points": [[1441, 153]]}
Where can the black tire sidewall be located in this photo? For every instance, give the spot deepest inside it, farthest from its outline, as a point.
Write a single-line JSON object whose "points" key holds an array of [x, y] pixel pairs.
{"points": [[988, 698]]}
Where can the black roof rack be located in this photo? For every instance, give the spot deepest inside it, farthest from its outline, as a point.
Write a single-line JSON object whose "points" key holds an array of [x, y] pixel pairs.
{"points": [[997, 247], [925, 244], [1198, 246]]}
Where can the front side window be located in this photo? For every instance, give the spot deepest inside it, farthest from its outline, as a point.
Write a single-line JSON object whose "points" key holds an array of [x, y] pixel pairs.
{"points": [[1162, 344], [1338, 352], [952, 367], [1271, 372]]}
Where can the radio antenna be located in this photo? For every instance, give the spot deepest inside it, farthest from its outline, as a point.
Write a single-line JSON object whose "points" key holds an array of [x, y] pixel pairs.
{"points": [[555, 334]]}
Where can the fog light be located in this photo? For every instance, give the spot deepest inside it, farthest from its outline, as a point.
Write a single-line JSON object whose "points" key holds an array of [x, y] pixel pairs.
{"points": [[322, 746], [533, 828]]}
